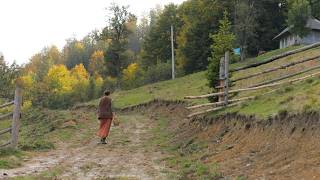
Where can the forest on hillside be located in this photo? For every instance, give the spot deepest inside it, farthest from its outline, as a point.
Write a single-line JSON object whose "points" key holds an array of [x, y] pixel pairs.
{"points": [[130, 52]]}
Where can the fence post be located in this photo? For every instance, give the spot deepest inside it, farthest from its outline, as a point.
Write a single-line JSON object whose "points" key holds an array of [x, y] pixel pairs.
{"points": [[226, 77], [16, 117], [221, 79]]}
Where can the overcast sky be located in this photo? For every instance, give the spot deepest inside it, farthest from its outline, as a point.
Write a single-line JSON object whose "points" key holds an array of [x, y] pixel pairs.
{"points": [[26, 26]]}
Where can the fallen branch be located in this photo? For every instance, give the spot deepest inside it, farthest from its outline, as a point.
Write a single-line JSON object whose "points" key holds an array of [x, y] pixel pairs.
{"points": [[212, 110], [6, 104], [2, 117], [269, 60], [275, 68], [285, 77], [220, 103], [253, 88]]}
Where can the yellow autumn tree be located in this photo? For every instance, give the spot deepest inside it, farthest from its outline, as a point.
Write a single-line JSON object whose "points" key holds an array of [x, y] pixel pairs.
{"points": [[130, 72], [79, 46], [80, 78], [53, 54], [96, 64], [27, 82], [99, 85], [79, 72], [130, 76], [59, 79]]}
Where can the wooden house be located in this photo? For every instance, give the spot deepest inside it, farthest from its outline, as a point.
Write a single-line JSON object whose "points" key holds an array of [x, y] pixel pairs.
{"points": [[286, 38]]}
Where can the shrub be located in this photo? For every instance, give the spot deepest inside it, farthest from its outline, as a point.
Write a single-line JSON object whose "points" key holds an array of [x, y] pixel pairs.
{"points": [[159, 72], [110, 83]]}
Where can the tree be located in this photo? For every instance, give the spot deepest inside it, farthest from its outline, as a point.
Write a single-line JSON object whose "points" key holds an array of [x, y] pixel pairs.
{"points": [[118, 32], [298, 15], [222, 42], [245, 24], [157, 46], [143, 29], [59, 79], [200, 18], [80, 78], [8, 74], [96, 64], [76, 52], [271, 18], [315, 8], [39, 65], [53, 54]]}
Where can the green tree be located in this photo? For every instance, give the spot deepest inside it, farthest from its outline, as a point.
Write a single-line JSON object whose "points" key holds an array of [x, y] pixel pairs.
{"points": [[200, 18], [118, 32], [222, 42], [298, 15], [315, 8], [78, 51], [245, 24], [271, 16], [8, 73], [157, 46], [91, 88]]}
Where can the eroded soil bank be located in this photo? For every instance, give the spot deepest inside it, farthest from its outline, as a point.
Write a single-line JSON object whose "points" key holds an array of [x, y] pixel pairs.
{"points": [[286, 146]]}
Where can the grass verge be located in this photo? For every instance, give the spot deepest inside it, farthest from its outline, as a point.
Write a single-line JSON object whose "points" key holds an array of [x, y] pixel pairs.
{"points": [[185, 156]]}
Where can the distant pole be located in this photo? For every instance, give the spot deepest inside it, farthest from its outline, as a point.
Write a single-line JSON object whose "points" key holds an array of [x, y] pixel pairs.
{"points": [[172, 53]]}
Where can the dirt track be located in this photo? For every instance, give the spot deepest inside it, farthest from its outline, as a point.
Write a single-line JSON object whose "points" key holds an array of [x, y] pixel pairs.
{"points": [[126, 156]]}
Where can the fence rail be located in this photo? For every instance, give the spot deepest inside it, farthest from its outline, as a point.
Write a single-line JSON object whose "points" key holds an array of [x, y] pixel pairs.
{"points": [[6, 104], [223, 87], [276, 68], [14, 129], [274, 58], [287, 76], [5, 131], [5, 116]]}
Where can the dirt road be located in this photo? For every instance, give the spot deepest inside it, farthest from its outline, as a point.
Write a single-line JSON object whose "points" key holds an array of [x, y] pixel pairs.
{"points": [[126, 156]]}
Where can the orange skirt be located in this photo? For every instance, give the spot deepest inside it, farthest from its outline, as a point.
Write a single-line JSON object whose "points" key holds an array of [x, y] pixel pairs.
{"points": [[104, 130]]}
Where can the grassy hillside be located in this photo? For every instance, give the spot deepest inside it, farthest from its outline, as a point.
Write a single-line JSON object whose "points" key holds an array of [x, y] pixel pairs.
{"points": [[285, 98], [297, 97], [167, 90]]}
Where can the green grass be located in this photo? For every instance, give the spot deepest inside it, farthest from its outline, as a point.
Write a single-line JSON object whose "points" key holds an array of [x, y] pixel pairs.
{"points": [[50, 174], [10, 158], [264, 56], [304, 96], [167, 90]]}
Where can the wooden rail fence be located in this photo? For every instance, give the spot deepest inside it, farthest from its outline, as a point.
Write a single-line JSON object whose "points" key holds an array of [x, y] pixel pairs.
{"points": [[224, 92], [15, 115]]}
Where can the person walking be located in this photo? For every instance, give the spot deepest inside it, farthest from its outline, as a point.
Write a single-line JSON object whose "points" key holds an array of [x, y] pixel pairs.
{"points": [[105, 116]]}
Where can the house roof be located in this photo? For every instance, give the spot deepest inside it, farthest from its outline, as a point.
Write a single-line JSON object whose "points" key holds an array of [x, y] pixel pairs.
{"points": [[312, 23]]}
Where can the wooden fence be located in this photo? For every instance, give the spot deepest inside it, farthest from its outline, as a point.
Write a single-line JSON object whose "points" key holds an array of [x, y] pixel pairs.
{"points": [[15, 115], [224, 92]]}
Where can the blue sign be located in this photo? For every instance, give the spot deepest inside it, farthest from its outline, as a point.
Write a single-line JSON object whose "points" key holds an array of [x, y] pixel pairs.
{"points": [[237, 51]]}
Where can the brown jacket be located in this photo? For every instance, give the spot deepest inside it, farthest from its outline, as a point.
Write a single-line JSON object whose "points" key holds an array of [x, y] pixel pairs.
{"points": [[105, 108]]}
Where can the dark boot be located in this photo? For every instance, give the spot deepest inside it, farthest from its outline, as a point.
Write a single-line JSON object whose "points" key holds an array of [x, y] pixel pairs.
{"points": [[103, 141]]}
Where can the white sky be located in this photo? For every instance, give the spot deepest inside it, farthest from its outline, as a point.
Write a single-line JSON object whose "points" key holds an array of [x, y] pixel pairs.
{"points": [[26, 26]]}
